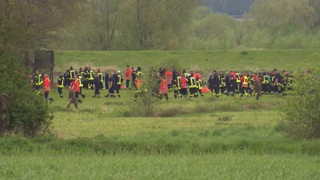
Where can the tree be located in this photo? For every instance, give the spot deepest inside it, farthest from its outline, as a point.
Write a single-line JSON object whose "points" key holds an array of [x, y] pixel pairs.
{"points": [[30, 24], [29, 113], [157, 24], [282, 16], [214, 27], [98, 25], [128, 24], [280, 24], [111, 18], [146, 101], [27, 25], [315, 4]]}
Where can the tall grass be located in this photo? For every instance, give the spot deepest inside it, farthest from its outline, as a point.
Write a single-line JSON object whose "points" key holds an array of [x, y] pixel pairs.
{"points": [[189, 142], [214, 166]]}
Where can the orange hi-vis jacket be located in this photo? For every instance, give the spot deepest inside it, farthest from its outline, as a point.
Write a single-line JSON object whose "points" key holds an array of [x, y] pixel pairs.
{"points": [[163, 89], [138, 84]]}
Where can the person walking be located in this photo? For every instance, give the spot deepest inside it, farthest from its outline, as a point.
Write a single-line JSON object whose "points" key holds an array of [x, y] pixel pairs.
{"points": [[46, 87], [128, 77], [168, 77], [81, 85], [119, 79], [113, 85], [193, 89], [60, 85], [244, 85], [163, 89], [38, 81], [257, 83], [184, 86], [177, 85], [231, 84], [76, 88], [90, 77], [97, 83], [101, 78], [214, 84], [106, 80]]}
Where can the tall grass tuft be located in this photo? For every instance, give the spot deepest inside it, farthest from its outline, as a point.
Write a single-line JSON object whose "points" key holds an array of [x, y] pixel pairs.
{"points": [[221, 140]]}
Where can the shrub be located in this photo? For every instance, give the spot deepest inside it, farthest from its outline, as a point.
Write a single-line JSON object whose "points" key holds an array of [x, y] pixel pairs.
{"points": [[29, 113], [147, 100], [302, 110]]}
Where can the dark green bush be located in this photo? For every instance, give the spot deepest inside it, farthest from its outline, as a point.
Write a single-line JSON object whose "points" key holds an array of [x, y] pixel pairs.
{"points": [[302, 111], [29, 113]]}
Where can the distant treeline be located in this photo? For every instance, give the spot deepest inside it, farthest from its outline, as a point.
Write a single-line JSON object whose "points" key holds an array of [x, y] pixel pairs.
{"points": [[158, 25]]}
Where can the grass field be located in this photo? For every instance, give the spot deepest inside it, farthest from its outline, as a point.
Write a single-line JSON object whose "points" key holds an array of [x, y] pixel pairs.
{"points": [[213, 166], [199, 138], [204, 61]]}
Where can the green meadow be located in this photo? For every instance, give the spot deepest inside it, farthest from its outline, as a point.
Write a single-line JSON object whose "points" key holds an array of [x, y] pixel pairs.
{"points": [[205, 61], [189, 138]]}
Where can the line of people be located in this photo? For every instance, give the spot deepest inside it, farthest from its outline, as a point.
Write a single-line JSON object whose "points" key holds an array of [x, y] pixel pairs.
{"points": [[182, 84], [250, 83], [191, 84]]}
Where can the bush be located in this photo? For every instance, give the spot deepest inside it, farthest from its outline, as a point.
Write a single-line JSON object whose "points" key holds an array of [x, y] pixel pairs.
{"points": [[29, 113], [302, 111], [147, 100]]}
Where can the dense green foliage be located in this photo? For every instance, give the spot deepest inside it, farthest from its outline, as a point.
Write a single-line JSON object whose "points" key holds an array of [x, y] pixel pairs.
{"points": [[29, 113], [302, 118], [282, 24], [160, 25], [130, 25], [30, 25], [174, 25]]}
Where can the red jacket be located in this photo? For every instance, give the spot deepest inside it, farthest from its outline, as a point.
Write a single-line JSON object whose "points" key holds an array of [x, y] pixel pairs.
{"points": [[75, 86], [233, 74], [46, 84], [197, 75], [128, 73], [184, 83]]}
